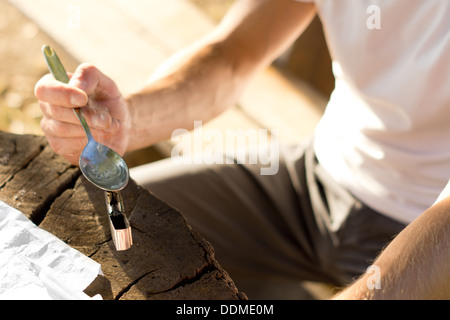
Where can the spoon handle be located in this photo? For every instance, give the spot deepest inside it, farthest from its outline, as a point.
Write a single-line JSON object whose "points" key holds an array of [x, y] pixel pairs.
{"points": [[57, 69]]}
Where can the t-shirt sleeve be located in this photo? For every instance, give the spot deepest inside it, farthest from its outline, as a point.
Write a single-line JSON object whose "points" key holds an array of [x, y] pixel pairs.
{"points": [[445, 193]]}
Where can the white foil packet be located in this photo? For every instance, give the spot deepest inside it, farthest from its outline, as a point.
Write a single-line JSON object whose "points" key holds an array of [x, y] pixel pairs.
{"points": [[36, 265]]}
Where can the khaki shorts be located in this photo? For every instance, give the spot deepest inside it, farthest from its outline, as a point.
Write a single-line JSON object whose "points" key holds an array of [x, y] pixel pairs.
{"points": [[295, 225]]}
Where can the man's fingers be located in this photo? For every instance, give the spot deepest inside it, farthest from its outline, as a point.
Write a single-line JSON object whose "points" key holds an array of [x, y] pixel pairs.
{"points": [[69, 148], [61, 129], [96, 118], [58, 113], [57, 93], [92, 81]]}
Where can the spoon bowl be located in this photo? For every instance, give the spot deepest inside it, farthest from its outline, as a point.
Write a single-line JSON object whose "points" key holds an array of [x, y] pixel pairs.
{"points": [[101, 165]]}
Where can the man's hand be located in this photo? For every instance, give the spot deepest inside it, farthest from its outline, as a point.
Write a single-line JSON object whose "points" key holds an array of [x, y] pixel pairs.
{"points": [[103, 106]]}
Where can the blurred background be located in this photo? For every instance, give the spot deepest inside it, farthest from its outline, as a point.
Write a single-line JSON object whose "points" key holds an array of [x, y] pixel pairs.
{"points": [[20, 68]]}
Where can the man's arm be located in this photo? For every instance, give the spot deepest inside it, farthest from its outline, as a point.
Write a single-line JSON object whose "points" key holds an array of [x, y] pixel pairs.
{"points": [[415, 265], [197, 84], [203, 80]]}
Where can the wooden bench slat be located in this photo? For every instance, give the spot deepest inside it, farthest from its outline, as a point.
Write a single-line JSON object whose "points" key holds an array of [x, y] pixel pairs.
{"points": [[126, 39]]}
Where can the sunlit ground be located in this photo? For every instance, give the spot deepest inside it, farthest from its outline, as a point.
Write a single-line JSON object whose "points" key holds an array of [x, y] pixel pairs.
{"points": [[19, 71]]}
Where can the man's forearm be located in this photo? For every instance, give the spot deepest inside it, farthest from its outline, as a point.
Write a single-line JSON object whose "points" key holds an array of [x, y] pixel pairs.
{"points": [[197, 85], [205, 79], [415, 265]]}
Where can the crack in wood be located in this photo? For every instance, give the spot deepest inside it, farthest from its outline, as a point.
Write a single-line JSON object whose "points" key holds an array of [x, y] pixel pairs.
{"points": [[189, 280], [128, 287], [39, 215], [23, 166]]}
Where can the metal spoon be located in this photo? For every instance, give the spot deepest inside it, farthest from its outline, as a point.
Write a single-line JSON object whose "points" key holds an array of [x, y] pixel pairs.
{"points": [[102, 166]]}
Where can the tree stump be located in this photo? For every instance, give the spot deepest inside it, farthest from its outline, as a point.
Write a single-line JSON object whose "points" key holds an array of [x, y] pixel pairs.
{"points": [[168, 259]]}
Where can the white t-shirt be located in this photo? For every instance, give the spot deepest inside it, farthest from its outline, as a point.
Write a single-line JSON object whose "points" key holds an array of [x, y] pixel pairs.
{"points": [[385, 134]]}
